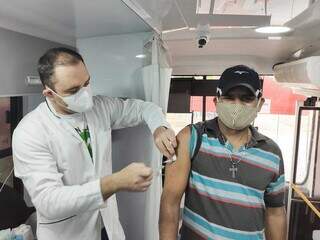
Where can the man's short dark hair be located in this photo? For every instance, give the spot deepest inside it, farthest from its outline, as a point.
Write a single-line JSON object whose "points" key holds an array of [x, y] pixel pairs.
{"points": [[56, 57]]}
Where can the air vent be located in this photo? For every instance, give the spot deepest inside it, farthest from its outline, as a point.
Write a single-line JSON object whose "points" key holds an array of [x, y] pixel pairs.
{"points": [[302, 75]]}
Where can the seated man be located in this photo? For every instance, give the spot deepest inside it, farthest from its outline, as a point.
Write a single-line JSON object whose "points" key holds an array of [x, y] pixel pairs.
{"points": [[232, 176]]}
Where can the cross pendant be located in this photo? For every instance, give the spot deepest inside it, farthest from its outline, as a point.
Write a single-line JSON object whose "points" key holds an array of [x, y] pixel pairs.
{"points": [[233, 169]]}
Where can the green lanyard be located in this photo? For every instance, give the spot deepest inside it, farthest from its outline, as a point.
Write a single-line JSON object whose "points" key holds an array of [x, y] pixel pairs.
{"points": [[85, 135]]}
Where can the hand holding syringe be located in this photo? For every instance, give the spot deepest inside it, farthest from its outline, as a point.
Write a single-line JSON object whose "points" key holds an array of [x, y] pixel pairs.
{"points": [[172, 160], [167, 147], [169, 161]]}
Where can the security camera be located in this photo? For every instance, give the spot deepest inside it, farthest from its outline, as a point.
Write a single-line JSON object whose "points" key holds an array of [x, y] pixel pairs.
{"points": [[203, 35], [202, 41]]}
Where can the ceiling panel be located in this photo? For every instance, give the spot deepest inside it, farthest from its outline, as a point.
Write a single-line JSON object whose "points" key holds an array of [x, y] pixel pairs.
{"points": [[242, 7], [188, 10], [176, 14], [106, 17], [65, 21]]}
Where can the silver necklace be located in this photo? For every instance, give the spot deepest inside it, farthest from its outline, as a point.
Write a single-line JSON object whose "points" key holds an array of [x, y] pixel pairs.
{"points": [[234, 168]]}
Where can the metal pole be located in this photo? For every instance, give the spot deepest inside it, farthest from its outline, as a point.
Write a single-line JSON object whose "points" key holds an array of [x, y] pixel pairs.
{"points": [[204, 98]]}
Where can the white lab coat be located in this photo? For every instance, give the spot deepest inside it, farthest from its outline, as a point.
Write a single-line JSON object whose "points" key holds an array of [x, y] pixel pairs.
{"points": [[59, 174]]}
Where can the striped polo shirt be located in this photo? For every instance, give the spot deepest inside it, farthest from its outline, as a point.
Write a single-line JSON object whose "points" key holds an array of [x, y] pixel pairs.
{"points": [[221, 207]]}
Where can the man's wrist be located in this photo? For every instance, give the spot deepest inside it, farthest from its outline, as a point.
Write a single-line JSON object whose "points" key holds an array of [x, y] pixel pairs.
{"points": [[110, 185]]}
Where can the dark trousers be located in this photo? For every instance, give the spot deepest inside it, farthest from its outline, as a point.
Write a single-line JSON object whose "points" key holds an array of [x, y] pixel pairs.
{"points": [[104, 235]]}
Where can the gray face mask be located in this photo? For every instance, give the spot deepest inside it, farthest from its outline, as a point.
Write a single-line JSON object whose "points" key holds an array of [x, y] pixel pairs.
{"points": [[236, 116]]}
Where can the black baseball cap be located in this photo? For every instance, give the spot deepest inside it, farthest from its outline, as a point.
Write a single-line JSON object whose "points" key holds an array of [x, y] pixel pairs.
{"points": [[239, 75]]}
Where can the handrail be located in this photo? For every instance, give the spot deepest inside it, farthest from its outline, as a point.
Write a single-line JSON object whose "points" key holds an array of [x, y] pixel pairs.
{"points": [[305, 199]]}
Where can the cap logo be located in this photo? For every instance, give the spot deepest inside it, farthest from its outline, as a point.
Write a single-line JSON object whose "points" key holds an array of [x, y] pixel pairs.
{"points": [[219, 92], [258, 92], [240, 72]]}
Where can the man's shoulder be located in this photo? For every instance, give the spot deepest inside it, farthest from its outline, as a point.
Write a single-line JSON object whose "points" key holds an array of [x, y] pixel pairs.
{"points": [[269, 144], [110, 104], [32, 121], [209, 127], [101, 100], [267, 140], [184, 134], [98, 98], [104, 105]]}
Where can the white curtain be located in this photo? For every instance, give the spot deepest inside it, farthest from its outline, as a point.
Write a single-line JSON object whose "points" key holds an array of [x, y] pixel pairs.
{"points": [[156, 80]]}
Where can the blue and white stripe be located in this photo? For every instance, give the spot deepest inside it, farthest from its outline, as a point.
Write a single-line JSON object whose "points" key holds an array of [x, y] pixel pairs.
{"points": [[226, 191], [193, 141], [217, 232], [253, 156], [277, 186]]}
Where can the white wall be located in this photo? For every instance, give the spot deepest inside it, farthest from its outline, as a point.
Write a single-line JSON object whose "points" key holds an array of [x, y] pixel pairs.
{"points": [[30, 102], [19, 57], [111, 61], [115, 72]]}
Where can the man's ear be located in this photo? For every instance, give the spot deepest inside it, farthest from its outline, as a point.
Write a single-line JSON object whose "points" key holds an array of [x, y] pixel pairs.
{"points": [[47, 92], [262, 100]]}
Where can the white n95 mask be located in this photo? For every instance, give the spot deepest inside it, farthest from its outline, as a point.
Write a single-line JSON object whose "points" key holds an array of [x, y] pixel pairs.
{"points": [[79, 102]]}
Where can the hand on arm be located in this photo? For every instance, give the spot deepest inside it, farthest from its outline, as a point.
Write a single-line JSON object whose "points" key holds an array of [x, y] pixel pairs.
{"points": [[165, 140], [176, 180]]}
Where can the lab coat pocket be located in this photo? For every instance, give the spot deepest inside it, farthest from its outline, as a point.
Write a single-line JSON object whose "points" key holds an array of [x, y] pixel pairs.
{"points": [[44, 222], [56, 229]]}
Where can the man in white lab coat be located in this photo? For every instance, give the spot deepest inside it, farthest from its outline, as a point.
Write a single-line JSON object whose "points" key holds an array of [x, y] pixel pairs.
{"points": [[62, 152]]}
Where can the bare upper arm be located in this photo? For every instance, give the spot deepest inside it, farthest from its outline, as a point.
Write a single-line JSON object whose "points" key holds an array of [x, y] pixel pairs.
{"points": [[177, 173], [275, 211]]}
